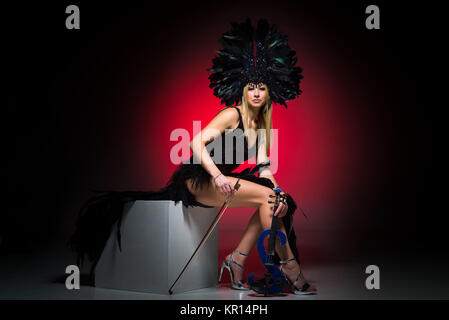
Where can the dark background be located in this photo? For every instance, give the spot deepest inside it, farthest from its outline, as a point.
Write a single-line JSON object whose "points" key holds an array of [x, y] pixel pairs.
{"points": [[60, 103]]}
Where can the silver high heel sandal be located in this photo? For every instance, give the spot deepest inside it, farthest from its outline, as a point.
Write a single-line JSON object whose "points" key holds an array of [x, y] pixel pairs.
{"points": [[227, 265], [304, 287]]}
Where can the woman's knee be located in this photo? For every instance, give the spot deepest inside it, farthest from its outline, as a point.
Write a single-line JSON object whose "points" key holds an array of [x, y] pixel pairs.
{"points": [[264, 197]]}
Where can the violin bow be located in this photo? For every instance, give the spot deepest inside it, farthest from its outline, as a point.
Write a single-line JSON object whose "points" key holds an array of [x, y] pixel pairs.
{"points": [[223, 208]]}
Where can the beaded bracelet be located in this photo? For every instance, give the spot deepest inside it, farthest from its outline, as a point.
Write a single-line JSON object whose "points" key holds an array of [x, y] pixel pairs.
{"points": [[217, 176]]}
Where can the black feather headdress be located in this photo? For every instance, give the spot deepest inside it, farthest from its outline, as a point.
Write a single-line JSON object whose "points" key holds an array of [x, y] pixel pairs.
{"points": [[255, 56]]}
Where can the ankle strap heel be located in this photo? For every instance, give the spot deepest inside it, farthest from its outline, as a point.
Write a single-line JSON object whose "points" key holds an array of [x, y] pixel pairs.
{"points": [[227, 265], [285, 262], [232, 259], [304, 287]]}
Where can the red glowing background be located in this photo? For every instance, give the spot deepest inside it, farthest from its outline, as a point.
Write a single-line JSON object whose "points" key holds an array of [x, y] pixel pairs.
{"points": [[333, 142], [100, 105], [329, 153]]}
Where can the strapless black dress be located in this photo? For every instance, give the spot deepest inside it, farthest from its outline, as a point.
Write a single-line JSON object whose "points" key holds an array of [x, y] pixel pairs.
{"points": [[99, 213]]}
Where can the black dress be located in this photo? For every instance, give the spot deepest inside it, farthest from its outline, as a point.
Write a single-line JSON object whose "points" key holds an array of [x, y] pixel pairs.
{"points": [[99, 213]]}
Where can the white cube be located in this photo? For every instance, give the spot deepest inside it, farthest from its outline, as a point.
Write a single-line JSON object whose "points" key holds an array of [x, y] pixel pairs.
{"points": [[158, 238]]}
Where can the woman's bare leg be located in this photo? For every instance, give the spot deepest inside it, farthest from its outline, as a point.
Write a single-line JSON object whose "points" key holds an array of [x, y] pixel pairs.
{"points": [[250, 194], [251, 234], [290, 269], [249, 239]]}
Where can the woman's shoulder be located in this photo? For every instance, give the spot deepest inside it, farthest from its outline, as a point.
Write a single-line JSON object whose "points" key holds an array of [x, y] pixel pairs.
{"points": [[230, 110], [229, 115]]}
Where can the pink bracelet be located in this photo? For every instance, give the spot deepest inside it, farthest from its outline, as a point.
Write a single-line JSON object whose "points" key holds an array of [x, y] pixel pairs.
{"points": [[217, 176]]}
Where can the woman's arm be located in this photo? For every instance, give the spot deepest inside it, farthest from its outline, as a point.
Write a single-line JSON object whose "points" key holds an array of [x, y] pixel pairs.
{"points": [[262, 157], [225, 119], [266, 173]]}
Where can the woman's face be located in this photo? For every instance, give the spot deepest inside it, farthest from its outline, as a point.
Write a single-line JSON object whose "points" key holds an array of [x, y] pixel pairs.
{"points": [[256, 95]]}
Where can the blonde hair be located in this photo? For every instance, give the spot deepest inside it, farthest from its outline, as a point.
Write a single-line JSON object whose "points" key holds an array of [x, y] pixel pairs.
{"points": [[264, 117]]}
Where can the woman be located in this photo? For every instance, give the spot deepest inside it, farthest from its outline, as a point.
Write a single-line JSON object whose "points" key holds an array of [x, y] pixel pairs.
{"points": [[254, 69]]}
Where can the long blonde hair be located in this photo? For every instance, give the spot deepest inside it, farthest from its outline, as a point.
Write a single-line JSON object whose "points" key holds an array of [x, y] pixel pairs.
{"points": [[264, 117]]}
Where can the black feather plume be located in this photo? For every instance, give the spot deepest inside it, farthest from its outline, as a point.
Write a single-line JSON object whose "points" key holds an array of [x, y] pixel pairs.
{"points": [[273, 63]]}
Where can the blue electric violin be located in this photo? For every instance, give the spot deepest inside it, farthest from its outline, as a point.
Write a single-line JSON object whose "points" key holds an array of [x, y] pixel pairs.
{"points": [[274, 281]]}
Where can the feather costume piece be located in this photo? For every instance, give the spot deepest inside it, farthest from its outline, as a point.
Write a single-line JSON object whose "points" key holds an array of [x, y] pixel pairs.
{"points": [[255, 56]]}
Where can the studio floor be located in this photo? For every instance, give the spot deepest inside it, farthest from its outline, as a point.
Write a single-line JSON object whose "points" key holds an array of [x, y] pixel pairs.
{"points": [[40, 274]]}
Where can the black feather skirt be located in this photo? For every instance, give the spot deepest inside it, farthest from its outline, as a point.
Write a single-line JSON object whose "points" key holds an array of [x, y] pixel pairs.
{"points": [[101, 212]]}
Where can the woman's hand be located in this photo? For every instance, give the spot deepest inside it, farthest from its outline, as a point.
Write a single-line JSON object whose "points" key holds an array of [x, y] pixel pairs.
{"points": [[282, 208], [224, 185]]}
